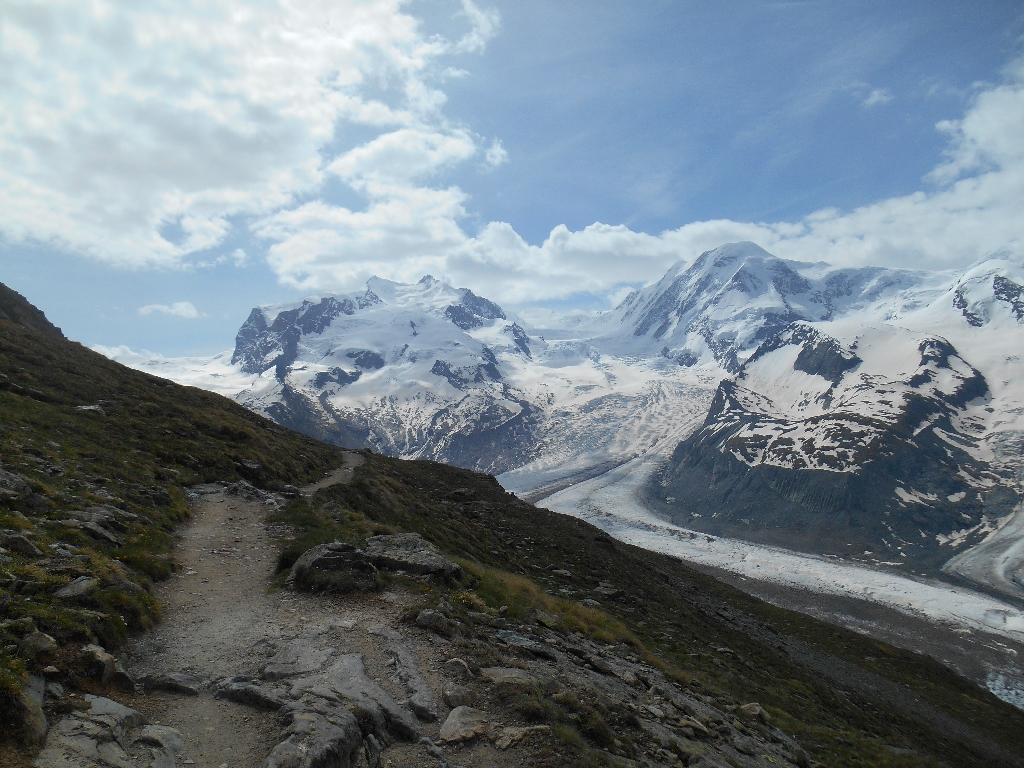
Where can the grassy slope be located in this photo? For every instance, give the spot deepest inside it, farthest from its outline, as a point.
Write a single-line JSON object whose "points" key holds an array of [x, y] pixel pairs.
{"points": [[151, 439], [849, 700]]}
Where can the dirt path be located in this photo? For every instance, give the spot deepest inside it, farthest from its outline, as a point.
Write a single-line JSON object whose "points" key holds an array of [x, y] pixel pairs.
{"points": [[221, 619]]}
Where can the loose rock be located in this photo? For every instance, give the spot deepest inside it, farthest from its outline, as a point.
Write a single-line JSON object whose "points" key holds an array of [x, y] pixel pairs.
{"points": [[81, 587], [463, 724]]}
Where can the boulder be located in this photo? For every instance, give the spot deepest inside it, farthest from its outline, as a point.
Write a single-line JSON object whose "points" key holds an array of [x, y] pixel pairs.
{"points": [[334, 567], [30, 702], [456, 695], [463, 724], [38, 644], [18, 542], [428, 618], [175, 682], [511, 736], [12, 485], [409, 552]]}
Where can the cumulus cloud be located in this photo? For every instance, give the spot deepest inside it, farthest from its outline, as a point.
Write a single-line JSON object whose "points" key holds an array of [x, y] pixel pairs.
{"points": [[178, 309], [122, 121]]}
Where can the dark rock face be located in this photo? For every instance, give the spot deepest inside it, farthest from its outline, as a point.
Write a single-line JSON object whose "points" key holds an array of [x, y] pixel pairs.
{"points": [[472, 310], [335, 376], [1008, 291], [820, 355], [367, 360], [17, 309], [519, 337], [461, 378], [260, 347]]}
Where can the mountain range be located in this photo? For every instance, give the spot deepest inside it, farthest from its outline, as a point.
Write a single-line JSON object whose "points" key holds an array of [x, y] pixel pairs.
{"points": [[866, 413]]}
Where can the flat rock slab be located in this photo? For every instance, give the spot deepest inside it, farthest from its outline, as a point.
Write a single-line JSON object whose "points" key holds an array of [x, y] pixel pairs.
{"points": [[507, 675], [409, 552], [300, 657], [108, 734], [463, 724], [175, 682], [346, 683]]}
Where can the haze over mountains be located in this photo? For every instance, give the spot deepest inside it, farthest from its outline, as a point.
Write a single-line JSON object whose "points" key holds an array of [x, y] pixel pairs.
{"points": [[869, 413]]}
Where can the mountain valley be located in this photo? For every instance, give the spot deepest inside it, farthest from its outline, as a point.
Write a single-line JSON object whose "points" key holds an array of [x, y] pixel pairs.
{"points": [[136, 511]]}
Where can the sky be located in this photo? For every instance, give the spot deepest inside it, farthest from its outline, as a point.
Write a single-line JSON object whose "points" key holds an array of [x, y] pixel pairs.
{"points": [[166, 166]]}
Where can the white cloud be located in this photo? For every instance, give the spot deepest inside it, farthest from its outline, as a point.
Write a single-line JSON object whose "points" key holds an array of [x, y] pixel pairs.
{"points": [[178, 309], [876, 97], [119, 120], [496, 154]]}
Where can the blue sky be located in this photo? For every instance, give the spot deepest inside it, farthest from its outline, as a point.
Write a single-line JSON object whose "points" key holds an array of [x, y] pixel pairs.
{"points": [[159, 177]]}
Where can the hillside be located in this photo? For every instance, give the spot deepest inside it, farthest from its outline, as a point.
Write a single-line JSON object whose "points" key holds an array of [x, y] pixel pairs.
{"points": [[93, 459]]}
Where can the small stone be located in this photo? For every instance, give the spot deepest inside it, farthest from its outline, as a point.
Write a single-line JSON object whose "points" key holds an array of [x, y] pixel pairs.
{"points": [[456, 695], [510, 736], [507, 675], [30, 701], [50, 671], [463, 724], [548, 620], [79, 588], [175, 682], [590, 603], [100, 664], [428, 618], [445, 607], [38, 643]]}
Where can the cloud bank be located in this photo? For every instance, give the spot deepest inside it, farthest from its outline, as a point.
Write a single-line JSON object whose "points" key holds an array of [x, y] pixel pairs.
{"points": [[177, 309], [158, 134]]}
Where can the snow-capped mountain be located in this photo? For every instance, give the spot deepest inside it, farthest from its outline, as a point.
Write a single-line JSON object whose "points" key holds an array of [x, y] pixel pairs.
{"points": [[728, 301], [430, 371], [830, 409], [894, 438]]}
